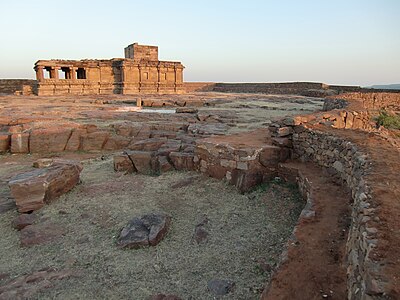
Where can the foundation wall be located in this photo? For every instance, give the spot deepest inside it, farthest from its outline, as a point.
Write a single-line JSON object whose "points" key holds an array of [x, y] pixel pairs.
{"points": [[18, 86]]}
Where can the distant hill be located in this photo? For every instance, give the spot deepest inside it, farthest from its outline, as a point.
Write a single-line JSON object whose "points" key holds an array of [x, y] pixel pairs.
{"points": [[395, 86]]}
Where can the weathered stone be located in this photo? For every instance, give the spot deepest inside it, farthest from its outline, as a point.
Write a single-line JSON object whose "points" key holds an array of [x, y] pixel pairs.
{"points": [[31, 190], [220, 287], [47, 140], [43, 163], [164, 165], [116, 143], [28, 286], [122, 163], [143, 161], [246, 180], [282, 142], [20, 143], [74, 142], [5, 142], [40, 234], [94, 141], [186, 110], [182, 161], [147, 230], [284, 131], [270, 156], [151, 144], [338, 166], [23, 220]]}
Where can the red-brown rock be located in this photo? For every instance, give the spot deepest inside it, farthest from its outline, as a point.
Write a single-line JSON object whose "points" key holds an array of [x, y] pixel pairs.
{"points": [[23, 220], [94, 141], [40, 234], [20, 143], [33, 189], [49, 140], [182, 161], [5, 142], [143, 161], [122, 163], [152, 144]]}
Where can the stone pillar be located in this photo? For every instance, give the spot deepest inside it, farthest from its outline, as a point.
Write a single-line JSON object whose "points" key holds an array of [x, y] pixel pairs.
{"points": [[54, 73], [140, 78], [39, 73], [175, 81], [73, 73], [158, 78]]}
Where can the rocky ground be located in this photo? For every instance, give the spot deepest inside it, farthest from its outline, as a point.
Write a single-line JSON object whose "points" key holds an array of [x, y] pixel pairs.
{"points": [[245, 235], [219, 240]]}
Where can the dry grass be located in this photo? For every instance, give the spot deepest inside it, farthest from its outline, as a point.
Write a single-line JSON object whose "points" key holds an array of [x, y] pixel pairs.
{"points": [[243, 229]]}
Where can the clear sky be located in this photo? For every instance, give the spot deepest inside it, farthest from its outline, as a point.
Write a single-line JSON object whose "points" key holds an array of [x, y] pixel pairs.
{"points": [[336, 42]]}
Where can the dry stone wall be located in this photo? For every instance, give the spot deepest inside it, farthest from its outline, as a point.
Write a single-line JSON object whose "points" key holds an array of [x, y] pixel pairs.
{"points": [[18, 86], [344, 160]]}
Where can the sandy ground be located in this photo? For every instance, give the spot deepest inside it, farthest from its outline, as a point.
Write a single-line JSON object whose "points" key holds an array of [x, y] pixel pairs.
{"points": [[244, 231]]}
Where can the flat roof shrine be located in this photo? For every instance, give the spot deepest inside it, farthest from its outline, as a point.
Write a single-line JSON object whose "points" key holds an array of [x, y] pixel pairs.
{"points": [[139, 72]]}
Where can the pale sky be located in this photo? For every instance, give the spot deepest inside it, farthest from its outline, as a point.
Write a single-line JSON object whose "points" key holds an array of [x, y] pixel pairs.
{"points": [[336, 42]]}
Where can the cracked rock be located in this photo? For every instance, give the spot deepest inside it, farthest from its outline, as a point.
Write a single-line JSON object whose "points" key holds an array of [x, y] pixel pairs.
{"points": [[146, 230]]}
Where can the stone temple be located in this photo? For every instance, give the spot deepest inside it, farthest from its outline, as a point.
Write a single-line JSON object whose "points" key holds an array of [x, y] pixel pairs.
{"points": [[139, 72]]}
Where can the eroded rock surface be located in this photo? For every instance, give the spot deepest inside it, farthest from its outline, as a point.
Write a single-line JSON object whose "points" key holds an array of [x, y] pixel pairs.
{"points": [[33, 189], [147, 230]]}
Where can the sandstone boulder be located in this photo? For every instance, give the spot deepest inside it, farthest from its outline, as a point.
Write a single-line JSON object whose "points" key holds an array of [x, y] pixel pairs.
{"points": [[32, 190], [147, 230], [182, 161], [143, 161]]}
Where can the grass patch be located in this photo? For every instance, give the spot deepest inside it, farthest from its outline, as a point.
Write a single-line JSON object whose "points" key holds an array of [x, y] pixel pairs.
{"points": [[387, 120]]}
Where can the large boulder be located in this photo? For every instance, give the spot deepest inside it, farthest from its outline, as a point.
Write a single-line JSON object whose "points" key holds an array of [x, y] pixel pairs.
{"points": [[32, 190], [147, 230]]}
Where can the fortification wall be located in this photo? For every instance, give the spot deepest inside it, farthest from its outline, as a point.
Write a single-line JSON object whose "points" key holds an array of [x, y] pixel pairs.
{"points": [[352, 165], [17, 86], [191, 87]]}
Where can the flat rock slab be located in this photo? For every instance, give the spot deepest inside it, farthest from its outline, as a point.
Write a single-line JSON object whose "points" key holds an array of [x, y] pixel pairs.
{"points": [[32, 190], [147, 230], [28, 286], [40, 234]]}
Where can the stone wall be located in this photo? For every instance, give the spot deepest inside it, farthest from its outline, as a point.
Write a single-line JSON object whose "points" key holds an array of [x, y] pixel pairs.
{"points": [[375, 100], [345, 161], [191, 87], [18, 86]]}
